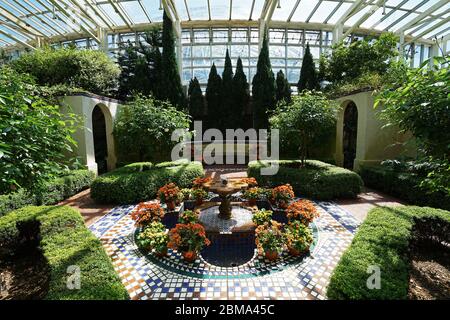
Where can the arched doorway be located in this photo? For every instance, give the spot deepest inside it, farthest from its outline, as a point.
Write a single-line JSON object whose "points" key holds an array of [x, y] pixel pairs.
{"points": [[350, 134], [100, 143]]}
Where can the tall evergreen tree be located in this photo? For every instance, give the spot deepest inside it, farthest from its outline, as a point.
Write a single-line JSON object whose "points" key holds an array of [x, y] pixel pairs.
{"points": [[170, 82], [283, 88], [308, 74], [225, 111], [196, 103], [263, 88], [241, 94], [213, 97]]}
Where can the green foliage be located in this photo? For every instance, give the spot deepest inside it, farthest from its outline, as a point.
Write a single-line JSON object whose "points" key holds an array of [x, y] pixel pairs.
{"points": [[91, 70], [129, 184], [316, 180], [420, 104], [34, 134], [384, 240], [188, 216], [412, 183], [213, 97], [143, 129], [263, 89], [49, 192], [262, 216], [284, 91], [241, 95], [308, 74], [224, 114], [306, 123], [348, 62], [154, 236], [140, 66], [65, 241], [170, 87], [196, 102]]}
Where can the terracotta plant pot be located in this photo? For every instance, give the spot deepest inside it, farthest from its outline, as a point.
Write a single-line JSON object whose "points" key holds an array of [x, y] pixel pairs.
{"points": [[198, 202], [271, 255], [189, 256], [170, 205], [251, 202], [294, 252], [161, 253]]}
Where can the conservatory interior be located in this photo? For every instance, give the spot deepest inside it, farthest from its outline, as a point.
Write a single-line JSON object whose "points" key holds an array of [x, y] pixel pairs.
{"points": [[220, 149]]}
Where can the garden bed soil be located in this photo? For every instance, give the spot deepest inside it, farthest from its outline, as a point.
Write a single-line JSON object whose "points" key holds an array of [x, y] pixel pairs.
{"points": [[430, 273], [24, 276]]}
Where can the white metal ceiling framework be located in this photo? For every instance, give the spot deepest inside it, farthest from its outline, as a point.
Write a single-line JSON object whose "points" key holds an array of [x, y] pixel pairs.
{"points": [[32, 23]]}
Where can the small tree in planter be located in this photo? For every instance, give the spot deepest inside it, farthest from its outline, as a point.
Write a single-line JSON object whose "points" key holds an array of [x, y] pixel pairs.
{"points": [[303, 211], [307, 122], [170, 195], [146, 213], [298, 238], [154, 237], [270, 239], [188, 239]]}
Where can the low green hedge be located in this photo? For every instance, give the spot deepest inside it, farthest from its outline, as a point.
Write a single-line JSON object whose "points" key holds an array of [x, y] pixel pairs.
{"points": [[65, 241], [404, 185], [51, 192], [383, 240], [317, 180], [140, 181]]}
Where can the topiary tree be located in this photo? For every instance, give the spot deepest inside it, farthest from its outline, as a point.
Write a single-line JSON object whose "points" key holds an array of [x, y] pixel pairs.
{"points": [[306, 123], [35, 135], [283, 88], [90, 70], [225, 113], [263, 88], [213, 96], [170, 87], [143, 129], [196, 102], [308, 74], [241, 94]]}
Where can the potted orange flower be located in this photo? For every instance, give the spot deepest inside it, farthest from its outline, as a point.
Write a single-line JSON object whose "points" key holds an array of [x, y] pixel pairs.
{"points": [[298, 238], [146, 212], [281, 195], [251, 182], [170, 195], [270, 239], [199, 195], [199, 182], [303, 211], [188, 239], [251, 195]]}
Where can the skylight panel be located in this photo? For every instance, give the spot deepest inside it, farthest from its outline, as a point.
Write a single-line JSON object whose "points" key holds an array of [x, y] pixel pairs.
{"points": [[181, 8], [220, 9], [352, 20], [282, 13], [198, 9], [241, 9], [257, 9], [339, 12], [323, 11], [111, 13], [304, 9]]}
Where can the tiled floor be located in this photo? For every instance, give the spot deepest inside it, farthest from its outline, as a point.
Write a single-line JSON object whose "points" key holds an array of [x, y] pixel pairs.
{"points": [[148, 277]]}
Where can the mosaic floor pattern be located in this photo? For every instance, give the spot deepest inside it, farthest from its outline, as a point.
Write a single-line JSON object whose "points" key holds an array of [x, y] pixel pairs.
{"points": [[148, 277]]}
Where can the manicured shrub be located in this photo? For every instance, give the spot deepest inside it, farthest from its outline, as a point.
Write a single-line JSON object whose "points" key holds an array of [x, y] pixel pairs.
{"points": [[15, 200], [404, 185], [308, 74], [317, 180], [129, 184], [65, 241], [383, 240]]}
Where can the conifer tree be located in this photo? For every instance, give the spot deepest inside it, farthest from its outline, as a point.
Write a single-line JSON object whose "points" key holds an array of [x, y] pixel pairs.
{"points": [[308, 74], [170, 82], [213, 97], [225, 111], [196, 103], [240, 94], [263, 88], [283, 88]]}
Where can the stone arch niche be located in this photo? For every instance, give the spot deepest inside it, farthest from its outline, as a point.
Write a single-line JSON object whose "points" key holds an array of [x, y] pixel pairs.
{"points": [[100, 139], [350, 135]]}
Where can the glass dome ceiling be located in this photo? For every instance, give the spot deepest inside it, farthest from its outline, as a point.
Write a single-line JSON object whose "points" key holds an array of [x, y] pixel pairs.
{"points": [[27, 23]]}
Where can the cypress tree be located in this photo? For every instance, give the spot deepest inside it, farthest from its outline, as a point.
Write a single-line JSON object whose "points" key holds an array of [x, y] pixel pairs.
{"points": [[283, 88], [308, 74], [213, 97], [196, 103], [170, 83], [240, 94], [225, 111], [263, 88]]}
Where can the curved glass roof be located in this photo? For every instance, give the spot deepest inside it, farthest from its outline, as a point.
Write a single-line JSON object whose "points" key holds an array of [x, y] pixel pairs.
{"points": [[29, 22]]}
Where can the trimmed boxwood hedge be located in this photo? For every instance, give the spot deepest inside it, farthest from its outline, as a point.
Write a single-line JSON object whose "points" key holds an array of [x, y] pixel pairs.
{"points": [[384, 240], [317, 180], [51, 192], [404, 185], [65, 241], [140, 181]]}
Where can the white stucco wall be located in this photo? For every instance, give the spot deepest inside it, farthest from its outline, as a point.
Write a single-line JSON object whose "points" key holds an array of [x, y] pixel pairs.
{"points": [[83, 105]]}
